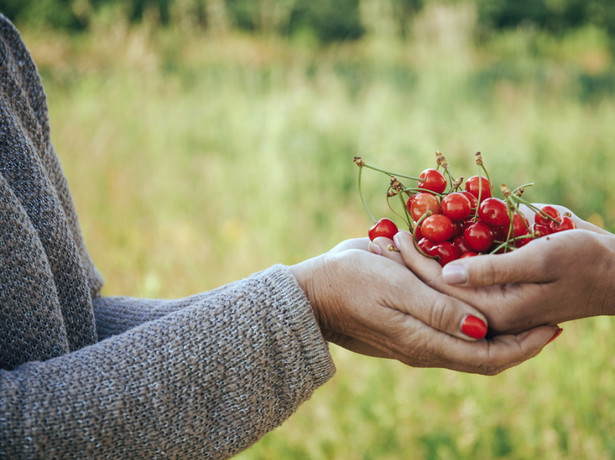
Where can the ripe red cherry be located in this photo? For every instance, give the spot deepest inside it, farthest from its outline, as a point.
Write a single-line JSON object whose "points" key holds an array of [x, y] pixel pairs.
{"points": [[494, 212], [425, 245], [472, 198], [418, 235], [456, 206], [479, 187], [500, 233], [562, 223], [468, 254], [549, 210], [540, 230], [520, 229], [460, 243], [437, 228], [421, 203], [384, 227], [445, 252], [478, 236], [458, 228], [432, 179]]}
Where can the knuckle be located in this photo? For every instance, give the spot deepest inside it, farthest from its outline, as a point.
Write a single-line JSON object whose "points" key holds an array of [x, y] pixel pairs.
{"points": [[438, 314]]}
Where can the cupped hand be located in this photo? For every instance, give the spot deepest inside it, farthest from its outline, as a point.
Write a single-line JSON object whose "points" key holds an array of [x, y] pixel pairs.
{"points": [[556, 278], [376, 306]]}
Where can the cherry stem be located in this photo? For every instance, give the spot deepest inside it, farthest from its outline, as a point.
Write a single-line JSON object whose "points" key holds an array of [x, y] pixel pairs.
{"points": [[533, 207], [388, 173], [363, 198]]}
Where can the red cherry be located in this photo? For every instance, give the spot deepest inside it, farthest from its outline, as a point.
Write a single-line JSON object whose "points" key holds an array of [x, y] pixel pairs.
{"points": [[418, 235], [478, 236], [433, 180], [437, 228], [425, 245], [468, 254], [384, 227], [421, 203], [456, 206], [549, 210], [458, 228], [540, 230], [494, 212], [445, 251], [500, 233], [460, 243], [520, 229], [472, 198], [562, 223], [479, 186]]}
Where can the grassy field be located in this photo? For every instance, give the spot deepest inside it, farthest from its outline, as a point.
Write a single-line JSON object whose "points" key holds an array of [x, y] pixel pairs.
{"points": [[196, 160]]}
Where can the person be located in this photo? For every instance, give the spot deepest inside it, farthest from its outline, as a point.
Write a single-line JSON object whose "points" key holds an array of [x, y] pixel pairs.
{"points": [[553, 279], [84, 374]]}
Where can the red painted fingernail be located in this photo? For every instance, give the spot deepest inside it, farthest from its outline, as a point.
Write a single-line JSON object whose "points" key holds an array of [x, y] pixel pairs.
{"points": [[474, 327], [555, 336]]}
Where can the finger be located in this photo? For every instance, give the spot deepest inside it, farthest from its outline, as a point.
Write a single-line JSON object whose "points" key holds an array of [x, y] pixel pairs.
{"points": [[420, 346], [520, 266], [427, 268], [435, 309], [385, 247], [506, 351], [491, 357], [352, 243]]}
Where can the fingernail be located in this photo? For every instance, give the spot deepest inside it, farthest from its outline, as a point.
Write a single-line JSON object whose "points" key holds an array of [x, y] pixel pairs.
{"points": [[374, 248], [474, 327], [396, 239], [454, 274], [555, 336]]}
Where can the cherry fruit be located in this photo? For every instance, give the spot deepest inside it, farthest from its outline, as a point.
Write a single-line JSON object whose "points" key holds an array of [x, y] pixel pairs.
{"points": [[384, 227]]}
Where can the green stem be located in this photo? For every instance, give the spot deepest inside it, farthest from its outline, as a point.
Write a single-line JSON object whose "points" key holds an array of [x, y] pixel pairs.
{"points": [[363, 198], [389, 173]]}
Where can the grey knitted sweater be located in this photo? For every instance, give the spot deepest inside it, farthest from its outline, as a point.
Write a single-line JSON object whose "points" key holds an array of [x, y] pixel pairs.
{"points": [[82, 375]]}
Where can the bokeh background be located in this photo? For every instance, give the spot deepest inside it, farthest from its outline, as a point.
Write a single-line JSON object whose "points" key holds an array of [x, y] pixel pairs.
{"points": [[205, 140]]}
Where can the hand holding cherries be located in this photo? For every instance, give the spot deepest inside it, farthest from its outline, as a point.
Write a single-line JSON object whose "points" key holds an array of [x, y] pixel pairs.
{"points": [[451, 218]]}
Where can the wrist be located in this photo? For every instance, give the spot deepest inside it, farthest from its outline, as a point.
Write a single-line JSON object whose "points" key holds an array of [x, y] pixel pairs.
{"points": [[305, 274]]}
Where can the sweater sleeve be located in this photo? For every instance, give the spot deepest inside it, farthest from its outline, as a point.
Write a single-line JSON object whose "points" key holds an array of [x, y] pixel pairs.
{"points": [[204, 378], [118, 314]]}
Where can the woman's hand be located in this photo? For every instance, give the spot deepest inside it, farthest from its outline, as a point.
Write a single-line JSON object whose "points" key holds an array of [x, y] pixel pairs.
{"points": [[376, 306], [556, 278]]}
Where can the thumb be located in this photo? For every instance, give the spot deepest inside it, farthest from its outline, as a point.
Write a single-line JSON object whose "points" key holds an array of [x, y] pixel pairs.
{"points": [[489, 270]]}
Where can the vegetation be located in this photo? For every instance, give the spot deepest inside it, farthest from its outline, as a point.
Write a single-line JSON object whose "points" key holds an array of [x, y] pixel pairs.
{"points": [[198, 156], [325, 20]]}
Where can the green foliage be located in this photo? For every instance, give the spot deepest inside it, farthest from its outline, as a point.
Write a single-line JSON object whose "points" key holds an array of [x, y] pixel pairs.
{"points": [[326, 20], [58, 14], [557, 16], [329, 21]]}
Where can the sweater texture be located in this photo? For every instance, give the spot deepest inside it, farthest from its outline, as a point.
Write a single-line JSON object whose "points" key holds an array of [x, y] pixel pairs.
{"points": [[89, 376]]}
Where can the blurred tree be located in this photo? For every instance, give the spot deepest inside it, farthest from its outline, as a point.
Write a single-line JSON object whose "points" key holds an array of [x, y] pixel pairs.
{"points": [[555, 16], [328, 20], [58, 14]]}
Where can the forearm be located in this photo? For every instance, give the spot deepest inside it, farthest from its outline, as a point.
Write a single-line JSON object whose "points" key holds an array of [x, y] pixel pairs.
{"points": [[118, 314], [208, 380]]}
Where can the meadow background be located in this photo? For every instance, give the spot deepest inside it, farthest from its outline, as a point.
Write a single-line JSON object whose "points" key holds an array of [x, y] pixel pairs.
{"points": [[207, 140]]}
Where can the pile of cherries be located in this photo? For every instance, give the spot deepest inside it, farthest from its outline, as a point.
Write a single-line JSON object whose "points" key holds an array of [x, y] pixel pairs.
{"points": [[452, 218]]}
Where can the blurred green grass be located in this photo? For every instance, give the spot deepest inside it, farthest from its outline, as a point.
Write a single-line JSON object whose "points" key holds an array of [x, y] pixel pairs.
{"points": [[196, 160]]}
